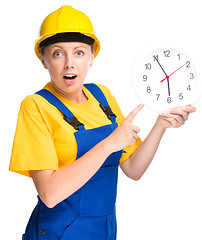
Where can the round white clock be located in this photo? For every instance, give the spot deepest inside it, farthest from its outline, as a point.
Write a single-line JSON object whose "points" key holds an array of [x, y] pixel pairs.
{"points": [[164, 79]]}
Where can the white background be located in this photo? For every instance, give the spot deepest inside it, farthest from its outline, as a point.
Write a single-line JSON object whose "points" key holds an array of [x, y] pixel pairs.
{"points": [[166, 202]]}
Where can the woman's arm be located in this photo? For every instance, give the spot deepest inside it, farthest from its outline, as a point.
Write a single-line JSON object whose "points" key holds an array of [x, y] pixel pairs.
{"points": [[55, 186], [135, 166]]}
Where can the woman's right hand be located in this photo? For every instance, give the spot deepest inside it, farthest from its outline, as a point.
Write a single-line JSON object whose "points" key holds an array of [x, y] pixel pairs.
{"points": [[48, 182], [125, 134]]}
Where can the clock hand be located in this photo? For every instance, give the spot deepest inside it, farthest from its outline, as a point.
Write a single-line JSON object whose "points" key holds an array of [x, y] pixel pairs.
{"points": [[168, 82], [167, 77], [174, 72], [161, 66]]}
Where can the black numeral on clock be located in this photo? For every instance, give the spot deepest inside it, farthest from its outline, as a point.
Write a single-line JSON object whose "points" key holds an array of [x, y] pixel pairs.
{"points": [[181, 96], [169, 100], [144, 78], [167, 53], [191, 76], [189, 88], [148, 66], [156, 58], [188, 64], [148, 89]]}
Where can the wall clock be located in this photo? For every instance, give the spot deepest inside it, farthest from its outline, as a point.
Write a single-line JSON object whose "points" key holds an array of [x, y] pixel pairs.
{"points": [[165, 78]]}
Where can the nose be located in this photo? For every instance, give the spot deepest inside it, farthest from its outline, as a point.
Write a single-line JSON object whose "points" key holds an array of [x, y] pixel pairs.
{"points": [[69, 62]]}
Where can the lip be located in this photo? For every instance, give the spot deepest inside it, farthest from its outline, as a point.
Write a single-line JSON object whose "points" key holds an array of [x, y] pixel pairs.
{"points": [[70, 78]]}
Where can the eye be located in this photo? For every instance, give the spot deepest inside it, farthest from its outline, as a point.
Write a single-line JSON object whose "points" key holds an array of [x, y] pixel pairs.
{"points": [[79, 53], [57, 54]]}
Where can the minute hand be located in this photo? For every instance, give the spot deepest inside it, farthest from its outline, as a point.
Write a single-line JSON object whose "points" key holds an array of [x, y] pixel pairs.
{"points": [[161, 67], [167, 77], [174, 72]]}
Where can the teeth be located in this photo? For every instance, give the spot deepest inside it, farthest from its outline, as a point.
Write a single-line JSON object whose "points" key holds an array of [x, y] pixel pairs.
{"points": [[69, 77]]}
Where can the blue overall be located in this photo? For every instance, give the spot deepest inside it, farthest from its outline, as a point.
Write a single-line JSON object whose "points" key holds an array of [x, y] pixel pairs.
{"points": [[89, 213]]}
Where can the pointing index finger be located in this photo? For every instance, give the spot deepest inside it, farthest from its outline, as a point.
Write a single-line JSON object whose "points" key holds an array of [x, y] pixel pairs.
{"points": [[132, 114]]}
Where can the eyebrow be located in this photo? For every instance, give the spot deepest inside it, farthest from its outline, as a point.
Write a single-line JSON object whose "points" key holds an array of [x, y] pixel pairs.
{"points": [[80, 47], [55, 45]]}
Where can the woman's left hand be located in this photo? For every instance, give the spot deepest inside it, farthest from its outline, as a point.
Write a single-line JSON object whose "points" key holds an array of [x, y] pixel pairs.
{"points": [[176, 117]]}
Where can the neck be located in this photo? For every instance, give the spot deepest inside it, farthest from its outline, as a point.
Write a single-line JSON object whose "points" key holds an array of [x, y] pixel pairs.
{"points": [[77, 97]]}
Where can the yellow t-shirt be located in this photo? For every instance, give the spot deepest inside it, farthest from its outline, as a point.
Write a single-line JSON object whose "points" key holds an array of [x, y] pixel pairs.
{"points": [[43, 140]]}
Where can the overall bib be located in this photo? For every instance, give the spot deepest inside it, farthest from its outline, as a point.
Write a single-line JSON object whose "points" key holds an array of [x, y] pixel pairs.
{"points": [[89, 213]]}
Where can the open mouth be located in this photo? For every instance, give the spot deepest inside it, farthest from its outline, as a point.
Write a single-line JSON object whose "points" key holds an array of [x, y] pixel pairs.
{"points": [[70, 77]]}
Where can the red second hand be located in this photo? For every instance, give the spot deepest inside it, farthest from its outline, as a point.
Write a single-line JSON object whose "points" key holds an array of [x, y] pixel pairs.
{"points": [[174, 72]]}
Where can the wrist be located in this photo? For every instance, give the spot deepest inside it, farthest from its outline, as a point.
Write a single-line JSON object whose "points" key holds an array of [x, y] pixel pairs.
{"points": [[105, 147], [159, 126]]}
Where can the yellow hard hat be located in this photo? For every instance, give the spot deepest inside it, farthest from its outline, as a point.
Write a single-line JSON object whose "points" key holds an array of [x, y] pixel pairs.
{"points": [[66, 20]]}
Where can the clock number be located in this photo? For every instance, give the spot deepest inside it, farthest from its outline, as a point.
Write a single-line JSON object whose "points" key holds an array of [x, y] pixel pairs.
{"points": [[188, 64], [167, 53], [191, 76], [144, 78], [148, 89], [169, 100], [189, 88], [148, 66], [156, 58], [178, 56], [158, 95], [181, 96]]}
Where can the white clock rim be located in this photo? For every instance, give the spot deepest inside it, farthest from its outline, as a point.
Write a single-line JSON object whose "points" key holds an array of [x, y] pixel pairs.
{"points": [[138, 61]]}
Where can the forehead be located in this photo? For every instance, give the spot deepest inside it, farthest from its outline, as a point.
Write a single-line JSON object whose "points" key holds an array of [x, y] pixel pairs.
{"points": [[70, 45]]}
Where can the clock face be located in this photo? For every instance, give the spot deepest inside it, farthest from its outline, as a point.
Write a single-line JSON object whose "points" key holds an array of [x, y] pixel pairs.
{"points": [[164, 79]]}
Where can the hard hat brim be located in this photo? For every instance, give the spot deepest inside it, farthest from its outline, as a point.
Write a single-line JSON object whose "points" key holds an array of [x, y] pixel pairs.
{"points": [[96, 43]]}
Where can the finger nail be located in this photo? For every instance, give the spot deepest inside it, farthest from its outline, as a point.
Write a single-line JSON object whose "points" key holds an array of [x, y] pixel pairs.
{"points": [[185, 108]]}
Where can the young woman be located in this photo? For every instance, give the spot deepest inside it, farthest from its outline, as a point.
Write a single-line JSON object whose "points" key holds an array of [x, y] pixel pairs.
{"points": [[71, 137]]}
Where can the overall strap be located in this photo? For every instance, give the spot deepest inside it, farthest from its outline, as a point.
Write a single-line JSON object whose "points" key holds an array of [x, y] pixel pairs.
{"points": [[68, 115], [99, 95]]}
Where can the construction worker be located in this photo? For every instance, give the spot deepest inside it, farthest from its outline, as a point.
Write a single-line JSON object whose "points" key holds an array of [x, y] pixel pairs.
{"points": [[71, 137]]}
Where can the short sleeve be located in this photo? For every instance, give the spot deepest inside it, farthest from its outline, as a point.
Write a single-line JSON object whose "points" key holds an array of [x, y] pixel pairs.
{"points": [[33, 146], [129, 150]]}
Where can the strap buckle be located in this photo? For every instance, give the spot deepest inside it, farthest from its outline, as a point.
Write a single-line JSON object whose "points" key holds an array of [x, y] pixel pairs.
{"points": [[74, 122], [107, 110]]}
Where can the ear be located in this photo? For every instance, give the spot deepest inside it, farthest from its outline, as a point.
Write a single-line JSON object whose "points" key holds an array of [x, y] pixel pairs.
{"points": [[91, 61], [43, 61]]}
